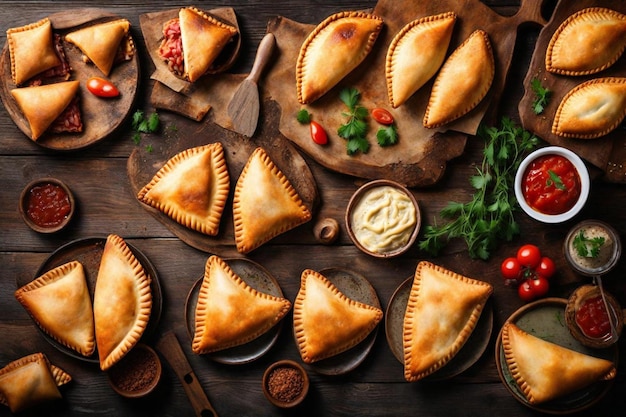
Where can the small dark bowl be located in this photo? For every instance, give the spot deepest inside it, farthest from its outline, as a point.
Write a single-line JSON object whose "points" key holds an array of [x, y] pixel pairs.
{"points": [[137, 374], [24, 202], [294, 399]]}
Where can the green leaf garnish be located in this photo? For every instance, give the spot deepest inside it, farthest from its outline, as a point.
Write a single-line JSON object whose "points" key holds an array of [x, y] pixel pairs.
{"points": [[587, 247], [355, 129], [303, 116], [555, 180], [387, 136], [542, 96]]}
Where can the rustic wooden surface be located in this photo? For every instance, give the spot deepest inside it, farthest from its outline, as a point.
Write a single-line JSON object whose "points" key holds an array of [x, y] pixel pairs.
{"points": [[107, 205]]}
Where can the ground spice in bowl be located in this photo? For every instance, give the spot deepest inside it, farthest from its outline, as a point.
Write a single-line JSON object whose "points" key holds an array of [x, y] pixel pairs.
{"points": [[137, 373], [285, 383]]}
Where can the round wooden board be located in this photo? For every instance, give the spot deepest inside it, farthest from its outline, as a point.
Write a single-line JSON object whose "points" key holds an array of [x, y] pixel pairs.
{"points": [[101, 117]]}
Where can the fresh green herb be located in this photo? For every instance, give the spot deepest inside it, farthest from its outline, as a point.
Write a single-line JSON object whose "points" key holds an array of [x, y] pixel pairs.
{"points": [[542, 96], [488, 217], [303, 116], [355, 129], [387, 135], [586, 247], [149, 148], [142, 125], [136, 138], [555, 180]]}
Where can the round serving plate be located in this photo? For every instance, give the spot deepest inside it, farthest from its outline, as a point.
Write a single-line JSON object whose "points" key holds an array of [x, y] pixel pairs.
{"points": [[546, 319], [463, 360], [261, 280], [88, 252]]}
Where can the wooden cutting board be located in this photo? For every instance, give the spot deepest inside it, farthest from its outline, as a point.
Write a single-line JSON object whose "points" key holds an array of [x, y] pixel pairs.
{"points": [[607, 153]]}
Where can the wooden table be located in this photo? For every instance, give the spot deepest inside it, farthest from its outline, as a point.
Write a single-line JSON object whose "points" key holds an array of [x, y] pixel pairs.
{"points": [[98, 177]]}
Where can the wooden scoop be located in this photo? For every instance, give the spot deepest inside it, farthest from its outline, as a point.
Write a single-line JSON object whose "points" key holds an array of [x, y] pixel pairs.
{"points": [[243, 108]]}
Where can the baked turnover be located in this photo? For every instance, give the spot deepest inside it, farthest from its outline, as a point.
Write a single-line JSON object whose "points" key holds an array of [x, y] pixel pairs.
{"points": [[442, 312], [60, 304], [587, 42], [229, 312], [415, 54], [464, 80], [326, 322], [332, 50], [545, 371], [191, 188]]}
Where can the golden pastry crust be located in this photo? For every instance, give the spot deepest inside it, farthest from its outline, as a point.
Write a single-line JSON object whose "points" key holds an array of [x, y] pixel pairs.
{"points": [[100, 42], [265, 203], [122, 302], [191, 188], [442, 312], [32, 50], [415, 54], [326, 322], [587, 42], [60, 303], [43, 104], [462, 83], [29, 381], [591, 109], [545, 371], [229, 312], [332, 50]]}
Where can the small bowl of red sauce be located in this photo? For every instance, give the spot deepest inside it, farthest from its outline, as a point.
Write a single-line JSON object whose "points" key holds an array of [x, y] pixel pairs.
{"points": [[552, 184], [47, 205]]}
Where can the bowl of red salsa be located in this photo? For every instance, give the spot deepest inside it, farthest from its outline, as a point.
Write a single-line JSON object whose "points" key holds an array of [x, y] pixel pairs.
{"points": [[47, 205], [552, 184]]}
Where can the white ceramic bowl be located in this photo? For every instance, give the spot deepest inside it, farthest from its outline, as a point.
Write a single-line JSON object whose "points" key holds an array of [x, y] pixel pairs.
{"points": [[585, 184]]}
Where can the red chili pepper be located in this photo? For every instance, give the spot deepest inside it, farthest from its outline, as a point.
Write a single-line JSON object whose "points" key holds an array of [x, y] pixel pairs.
{"points": [[318, 134], [102, 88]]}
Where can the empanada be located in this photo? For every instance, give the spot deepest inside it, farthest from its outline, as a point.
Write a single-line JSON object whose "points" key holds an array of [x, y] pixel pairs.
{"points": [[587, 42], [229, 312], [545, 371], [199, 37], [122, 302], [42, 105], [415, 54], [332, 50], [100, 42], [60, 303], [442, 312], [32, 50], [591, 109], [326, 322], [30, 381], [265, 203], [464, 80], [191, 188]]}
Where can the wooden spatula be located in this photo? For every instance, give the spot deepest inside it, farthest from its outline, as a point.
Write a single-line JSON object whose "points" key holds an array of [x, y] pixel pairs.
{"points": [[243, 108]]}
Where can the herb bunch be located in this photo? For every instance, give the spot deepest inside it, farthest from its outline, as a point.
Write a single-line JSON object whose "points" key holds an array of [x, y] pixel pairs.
{"points": [[355, 129], [488, 217], [542, 96]]}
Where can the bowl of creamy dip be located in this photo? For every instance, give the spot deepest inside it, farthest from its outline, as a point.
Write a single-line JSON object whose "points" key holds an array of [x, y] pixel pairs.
{"points": [[592, 247], [383, 218]]}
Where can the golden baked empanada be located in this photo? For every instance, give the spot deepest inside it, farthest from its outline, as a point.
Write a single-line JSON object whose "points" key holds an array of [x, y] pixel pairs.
{"points": [[442, 312], [32, 50], [591, 109], [100, 42], [587, 42], [464, 80], [265, 203], [30, 381], [544, 370], [42, 105], [122, 302], [415, 54], [60, 303], [199, 37], [191, 188], [326, 322], [332, 50], [229, 312]]}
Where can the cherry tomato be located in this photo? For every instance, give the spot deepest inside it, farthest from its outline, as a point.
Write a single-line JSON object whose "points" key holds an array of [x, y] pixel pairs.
{"points": [[546, 267], [539, 286], [101, 87], [525, 291], [382, 116], [529, 256], [318, 134], [511, 270]]}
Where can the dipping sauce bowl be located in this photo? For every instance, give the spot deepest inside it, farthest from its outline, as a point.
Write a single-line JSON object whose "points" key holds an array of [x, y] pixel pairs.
{"points": [[47, 205]]}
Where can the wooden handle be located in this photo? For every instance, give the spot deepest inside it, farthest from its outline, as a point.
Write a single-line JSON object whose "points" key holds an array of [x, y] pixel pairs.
{"points": [[263, 54], [530, 11]]}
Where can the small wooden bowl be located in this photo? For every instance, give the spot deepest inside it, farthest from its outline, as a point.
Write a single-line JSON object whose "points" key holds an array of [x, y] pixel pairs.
{"points": [[26, 196], [352, 205], [273, 394], [137, 374]]}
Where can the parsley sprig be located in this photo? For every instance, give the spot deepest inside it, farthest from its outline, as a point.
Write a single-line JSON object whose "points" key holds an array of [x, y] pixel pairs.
{"points": [[140, 124], [555, 180], [542, 96], [387, 136], [355, 129], [488, 217], [587, 247]]}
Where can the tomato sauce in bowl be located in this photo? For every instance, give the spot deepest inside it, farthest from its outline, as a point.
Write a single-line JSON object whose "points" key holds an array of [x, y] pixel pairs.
{"points": [[46, 205], [551, 184]]}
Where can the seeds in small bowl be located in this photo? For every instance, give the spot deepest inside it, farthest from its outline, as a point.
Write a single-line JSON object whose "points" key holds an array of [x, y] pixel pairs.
{"points": [[285, 383], [136, 374], [47, 205]]}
